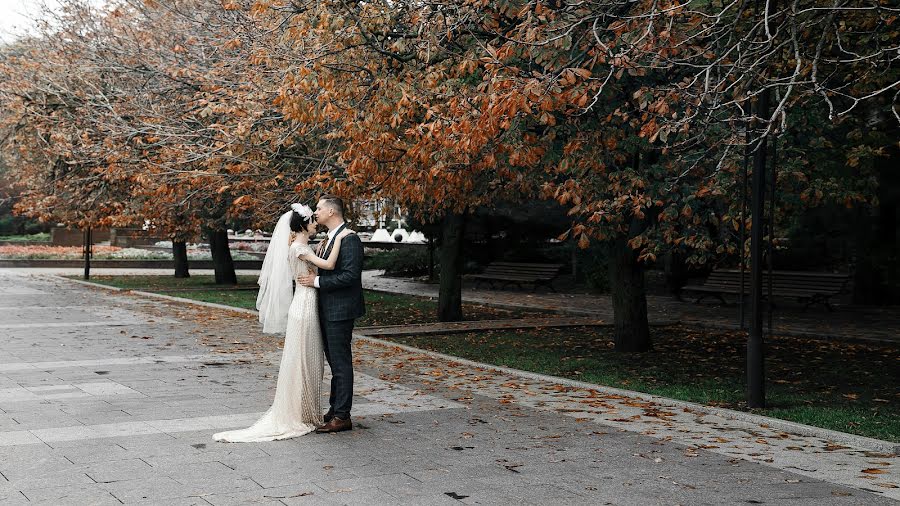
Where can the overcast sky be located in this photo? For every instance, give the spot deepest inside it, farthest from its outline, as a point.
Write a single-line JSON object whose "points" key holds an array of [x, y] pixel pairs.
{"points": [[13, 19], [14, 16]]}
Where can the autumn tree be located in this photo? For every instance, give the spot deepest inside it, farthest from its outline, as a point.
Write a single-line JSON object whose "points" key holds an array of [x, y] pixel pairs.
{"points": [[383, 81], [644, 110], [52, 143], [183, 116]]}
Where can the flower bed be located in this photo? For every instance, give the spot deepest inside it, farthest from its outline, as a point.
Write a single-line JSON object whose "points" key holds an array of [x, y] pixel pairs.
{"points": [[259, 247], [32, 252]]}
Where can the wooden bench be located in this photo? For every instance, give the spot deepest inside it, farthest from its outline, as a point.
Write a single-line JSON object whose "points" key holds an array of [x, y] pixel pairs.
{"points": [[513, 273], [806, 287]]}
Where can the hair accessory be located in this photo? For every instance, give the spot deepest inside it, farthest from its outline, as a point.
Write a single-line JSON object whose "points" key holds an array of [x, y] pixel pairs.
{"points": [[302, 210]]}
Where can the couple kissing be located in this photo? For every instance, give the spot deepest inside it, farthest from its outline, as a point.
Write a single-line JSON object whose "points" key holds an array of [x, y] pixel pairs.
{"points": [[317, 321]]}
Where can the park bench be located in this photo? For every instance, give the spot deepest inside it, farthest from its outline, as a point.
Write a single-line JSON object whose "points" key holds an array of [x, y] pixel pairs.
{"points": [[514, 273], [806, 287]]}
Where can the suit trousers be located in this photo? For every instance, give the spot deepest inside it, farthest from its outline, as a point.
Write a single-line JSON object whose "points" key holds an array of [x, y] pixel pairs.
{"points": [[336, 338]]}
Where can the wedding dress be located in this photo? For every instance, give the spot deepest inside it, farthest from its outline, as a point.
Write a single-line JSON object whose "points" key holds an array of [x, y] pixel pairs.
{"points": [[296, 410]]}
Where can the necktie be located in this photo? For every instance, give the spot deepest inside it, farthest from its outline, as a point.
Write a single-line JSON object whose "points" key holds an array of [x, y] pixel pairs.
{"points": [[328, 241]]}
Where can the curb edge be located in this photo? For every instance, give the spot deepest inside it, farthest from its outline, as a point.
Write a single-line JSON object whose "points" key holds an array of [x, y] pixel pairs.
{"points": [[859, 442]]}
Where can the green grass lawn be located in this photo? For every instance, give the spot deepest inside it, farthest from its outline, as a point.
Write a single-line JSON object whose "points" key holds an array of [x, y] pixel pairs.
{"points": [[845, 387], [381, 308], [153, 283], [840, 386]]}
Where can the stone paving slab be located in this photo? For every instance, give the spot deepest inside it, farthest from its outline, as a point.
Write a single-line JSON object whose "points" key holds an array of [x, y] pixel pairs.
{"points": [[429, 430]]}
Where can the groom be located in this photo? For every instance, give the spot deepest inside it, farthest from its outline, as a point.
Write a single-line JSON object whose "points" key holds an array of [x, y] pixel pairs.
{"points": [[340, 303]]}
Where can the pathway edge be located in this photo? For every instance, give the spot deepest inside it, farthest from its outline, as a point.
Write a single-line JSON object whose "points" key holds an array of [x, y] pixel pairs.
{"points": [[859, 442]]}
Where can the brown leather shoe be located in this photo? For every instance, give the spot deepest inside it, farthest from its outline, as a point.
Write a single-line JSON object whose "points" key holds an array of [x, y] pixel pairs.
{"points": [[327, 417], [335, 425]]}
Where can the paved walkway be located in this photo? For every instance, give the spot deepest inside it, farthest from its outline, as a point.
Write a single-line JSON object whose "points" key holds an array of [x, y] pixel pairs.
{"points": [[110, 398], [882, 324]]}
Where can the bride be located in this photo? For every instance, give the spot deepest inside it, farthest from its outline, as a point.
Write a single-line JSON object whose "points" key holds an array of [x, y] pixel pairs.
{"points": [[296, 410]]}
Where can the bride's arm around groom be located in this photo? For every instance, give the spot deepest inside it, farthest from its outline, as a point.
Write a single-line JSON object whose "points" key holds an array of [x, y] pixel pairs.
{"points": [[340, 304]]}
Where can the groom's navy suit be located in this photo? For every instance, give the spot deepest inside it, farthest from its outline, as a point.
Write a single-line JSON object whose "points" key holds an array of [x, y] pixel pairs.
{"points": [[340, 303]]}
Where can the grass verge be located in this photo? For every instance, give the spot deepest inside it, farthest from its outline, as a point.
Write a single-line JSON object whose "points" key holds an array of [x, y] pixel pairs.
{"points": [[381, 308], [845, 387]]}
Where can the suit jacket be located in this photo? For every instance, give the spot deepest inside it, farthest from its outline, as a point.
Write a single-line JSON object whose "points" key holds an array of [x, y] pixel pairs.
{"points": [[340, 290]]}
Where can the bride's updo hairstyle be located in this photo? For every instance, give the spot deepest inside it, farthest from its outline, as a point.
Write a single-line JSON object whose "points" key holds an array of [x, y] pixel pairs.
{"points": [[298, 222]]}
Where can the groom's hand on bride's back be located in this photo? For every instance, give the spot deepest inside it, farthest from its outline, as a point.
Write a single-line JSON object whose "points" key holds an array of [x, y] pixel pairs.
{"points": [[307, 280]]}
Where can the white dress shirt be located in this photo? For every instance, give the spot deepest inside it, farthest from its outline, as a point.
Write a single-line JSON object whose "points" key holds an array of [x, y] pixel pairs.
{"points": [[331, 234]]}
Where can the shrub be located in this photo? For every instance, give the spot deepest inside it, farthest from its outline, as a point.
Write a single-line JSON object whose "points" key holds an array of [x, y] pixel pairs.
{"points": [[399, 262], [40, 236]]}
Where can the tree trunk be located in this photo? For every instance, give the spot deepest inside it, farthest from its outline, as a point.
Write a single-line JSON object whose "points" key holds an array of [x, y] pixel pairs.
{"points": [[179, 253], [629, 298], [450, 295], [221, 257]]}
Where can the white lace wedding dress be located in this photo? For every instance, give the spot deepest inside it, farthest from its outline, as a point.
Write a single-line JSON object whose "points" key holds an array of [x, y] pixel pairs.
{"points": [[296, 410]]}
